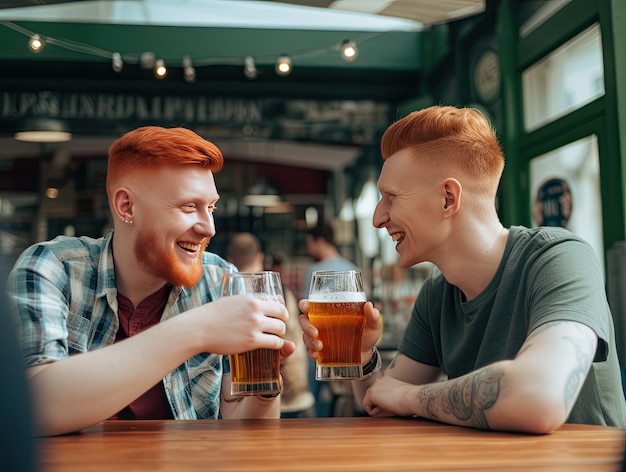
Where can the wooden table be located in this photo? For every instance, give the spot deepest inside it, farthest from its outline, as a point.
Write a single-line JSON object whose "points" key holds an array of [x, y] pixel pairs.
{"points": [[326, 444]]}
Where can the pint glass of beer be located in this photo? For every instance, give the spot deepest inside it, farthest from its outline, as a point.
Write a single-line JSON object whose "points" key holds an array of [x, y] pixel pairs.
{"points": [[336, 300], [255, 372]]}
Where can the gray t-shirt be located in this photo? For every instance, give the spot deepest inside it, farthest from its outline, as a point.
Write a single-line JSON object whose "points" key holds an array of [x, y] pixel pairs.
{"points": [[546, 274]]}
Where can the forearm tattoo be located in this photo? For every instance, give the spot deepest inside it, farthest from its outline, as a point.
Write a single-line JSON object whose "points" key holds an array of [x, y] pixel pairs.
{"points": [[466, 398]]}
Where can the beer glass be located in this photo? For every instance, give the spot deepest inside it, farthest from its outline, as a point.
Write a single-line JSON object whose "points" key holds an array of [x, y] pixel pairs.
{"points": [[336, 300], [255, 372]]}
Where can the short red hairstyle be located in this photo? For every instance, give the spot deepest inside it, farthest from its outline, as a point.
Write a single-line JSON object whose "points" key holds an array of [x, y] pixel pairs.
{"points": [[448, 136], [144, 149]]}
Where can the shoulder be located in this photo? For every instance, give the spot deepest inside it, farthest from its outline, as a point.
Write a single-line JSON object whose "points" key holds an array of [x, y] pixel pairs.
{"points": [[65, 250], [543, 236], [532, 244], [548, 252]]}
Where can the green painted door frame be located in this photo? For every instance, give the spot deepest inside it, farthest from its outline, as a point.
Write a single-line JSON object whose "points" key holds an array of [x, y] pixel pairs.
{"points": [[600, 117]]}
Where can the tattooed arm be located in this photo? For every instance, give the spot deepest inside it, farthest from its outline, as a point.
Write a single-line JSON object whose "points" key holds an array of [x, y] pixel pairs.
{"points": [[532, 393]]}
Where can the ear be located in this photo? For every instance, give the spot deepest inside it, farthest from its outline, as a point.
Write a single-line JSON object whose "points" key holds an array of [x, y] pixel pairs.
{"points": [[123, 204], [452, 190]]}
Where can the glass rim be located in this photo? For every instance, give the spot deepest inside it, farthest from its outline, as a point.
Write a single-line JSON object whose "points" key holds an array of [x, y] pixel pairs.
{"points": [[340, 271], [260, 272]]}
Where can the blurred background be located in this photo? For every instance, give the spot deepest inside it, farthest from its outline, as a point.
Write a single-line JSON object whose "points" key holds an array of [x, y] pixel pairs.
{"points": [[296, 94]]}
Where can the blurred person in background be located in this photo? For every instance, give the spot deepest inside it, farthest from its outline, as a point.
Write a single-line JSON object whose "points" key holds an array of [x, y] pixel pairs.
{"points": [[516, 319], [132, 325], [245, 252], [320, 245]]}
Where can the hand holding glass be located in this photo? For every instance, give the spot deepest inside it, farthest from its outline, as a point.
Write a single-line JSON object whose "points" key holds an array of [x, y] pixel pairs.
{"points": [[336, 300], [255, 372]]}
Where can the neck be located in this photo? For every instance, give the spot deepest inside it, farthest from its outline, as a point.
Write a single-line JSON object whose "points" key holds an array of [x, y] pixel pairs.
{"points": [[474, 260]]}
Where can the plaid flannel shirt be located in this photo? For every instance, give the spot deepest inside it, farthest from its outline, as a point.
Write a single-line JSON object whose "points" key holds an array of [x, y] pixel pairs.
{"points": [[64, 292]]}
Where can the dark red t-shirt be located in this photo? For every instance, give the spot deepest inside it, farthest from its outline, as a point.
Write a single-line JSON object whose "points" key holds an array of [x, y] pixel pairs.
{"points": [[153, 404]]}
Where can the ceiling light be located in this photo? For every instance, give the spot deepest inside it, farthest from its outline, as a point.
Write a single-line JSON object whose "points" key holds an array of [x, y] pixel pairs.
{"points": [[283, 65], [44, 130], [160, 71], [280, 208], [349, 51], [262, 194], [52, 193]]}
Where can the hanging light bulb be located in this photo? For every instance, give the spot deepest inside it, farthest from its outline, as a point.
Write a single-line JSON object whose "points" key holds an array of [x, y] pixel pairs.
{"points": [[349, 51], [283, 65], [249, 68], [35, 43], [116, 62], [159, 69], [52, 193], [188, 70]]}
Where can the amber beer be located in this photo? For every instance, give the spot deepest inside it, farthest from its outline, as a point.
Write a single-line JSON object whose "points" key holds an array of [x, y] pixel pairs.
{"points": [[255, 372], [340, 321]]}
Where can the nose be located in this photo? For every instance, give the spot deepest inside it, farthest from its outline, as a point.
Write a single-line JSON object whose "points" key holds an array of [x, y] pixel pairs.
{"points": [[381, 216], [205, 224]]}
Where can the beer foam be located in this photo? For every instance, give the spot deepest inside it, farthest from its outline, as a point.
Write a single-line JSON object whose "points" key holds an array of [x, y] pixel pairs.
{"points": [[338, 297]]}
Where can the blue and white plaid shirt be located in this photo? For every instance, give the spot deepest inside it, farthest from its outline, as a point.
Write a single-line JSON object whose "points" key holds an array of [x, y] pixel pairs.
{"points": [[66, 298]]}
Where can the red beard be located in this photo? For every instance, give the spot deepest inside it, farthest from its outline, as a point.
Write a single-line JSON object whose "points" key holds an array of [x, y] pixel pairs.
{"points": [[164, 263]]}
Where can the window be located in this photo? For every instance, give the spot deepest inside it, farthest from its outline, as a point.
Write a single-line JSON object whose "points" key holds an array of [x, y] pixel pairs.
{"points": [[565, 80], [565, 191]]}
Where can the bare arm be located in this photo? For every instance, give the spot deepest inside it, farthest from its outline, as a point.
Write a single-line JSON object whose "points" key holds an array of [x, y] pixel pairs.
{"points": [[412, 372], [532, 393], [84, 389]]}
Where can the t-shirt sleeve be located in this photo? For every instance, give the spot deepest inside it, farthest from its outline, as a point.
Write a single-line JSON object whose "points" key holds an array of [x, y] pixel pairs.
{"points": [[566, 283]]}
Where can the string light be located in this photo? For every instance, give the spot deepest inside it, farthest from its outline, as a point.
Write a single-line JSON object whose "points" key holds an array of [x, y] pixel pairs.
{"points": [[116, 62], [160, 71], [249, 68], [283, 65], [35, 43], [349, 51], [188, 71], [147, 60]]}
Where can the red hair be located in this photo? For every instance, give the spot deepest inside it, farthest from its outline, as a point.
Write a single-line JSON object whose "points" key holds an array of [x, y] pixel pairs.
{"points": [[151, 147], [462, 137]]}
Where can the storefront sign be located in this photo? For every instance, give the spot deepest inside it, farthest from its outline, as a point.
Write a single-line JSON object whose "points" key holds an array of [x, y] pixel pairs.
{"points": [[553, 206], [332, 120]]}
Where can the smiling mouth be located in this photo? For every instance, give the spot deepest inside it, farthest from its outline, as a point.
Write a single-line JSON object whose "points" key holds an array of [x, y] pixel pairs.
{"points": [[190, 247]]}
